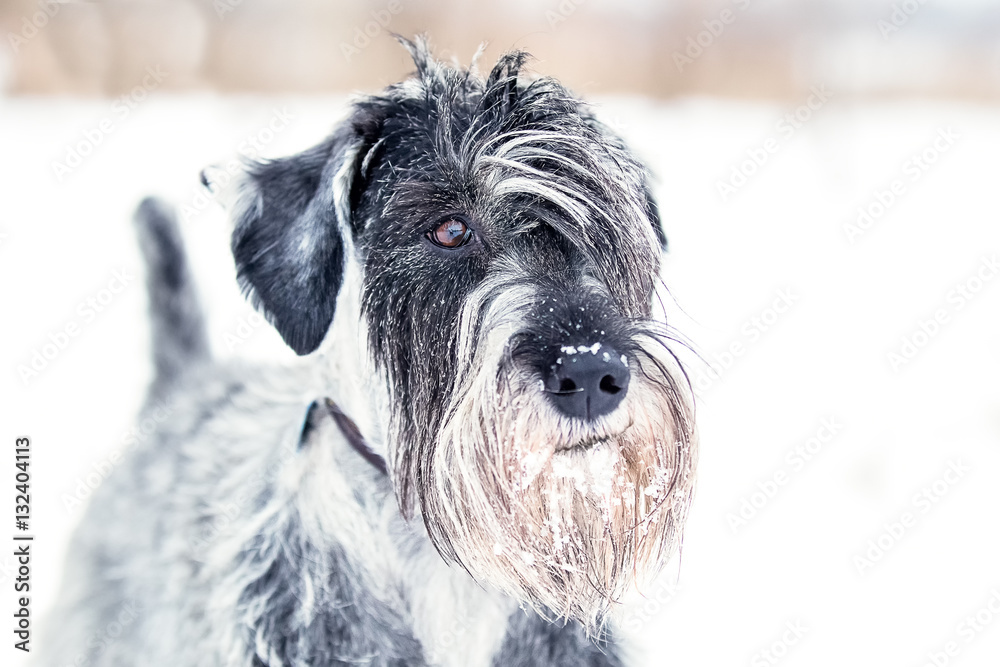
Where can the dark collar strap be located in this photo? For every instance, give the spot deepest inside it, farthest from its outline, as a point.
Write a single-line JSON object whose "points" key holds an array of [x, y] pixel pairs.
{"points": [[354, 437]]}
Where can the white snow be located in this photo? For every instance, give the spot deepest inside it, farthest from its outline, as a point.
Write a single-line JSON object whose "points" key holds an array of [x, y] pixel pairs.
{"points": [[580, 349], [804, 417]]}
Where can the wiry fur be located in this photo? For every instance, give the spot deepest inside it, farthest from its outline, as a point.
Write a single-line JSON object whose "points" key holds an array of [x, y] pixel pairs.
{"points": [[249, 530]]}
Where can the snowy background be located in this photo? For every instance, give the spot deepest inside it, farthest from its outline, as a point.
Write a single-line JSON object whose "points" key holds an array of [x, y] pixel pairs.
{"points": [[772, 269], [834, 248]]}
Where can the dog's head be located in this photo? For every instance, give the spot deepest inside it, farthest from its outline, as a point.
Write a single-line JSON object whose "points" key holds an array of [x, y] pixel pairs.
{"points": [[509, 253]]}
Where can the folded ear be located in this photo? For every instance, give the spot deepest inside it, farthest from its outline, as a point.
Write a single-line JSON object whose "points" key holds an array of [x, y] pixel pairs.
{"points": [[291, 234], [653, 211]]}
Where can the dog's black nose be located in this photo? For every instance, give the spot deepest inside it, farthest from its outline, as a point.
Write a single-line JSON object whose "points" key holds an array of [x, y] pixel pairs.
{"points": [[587, 381]]}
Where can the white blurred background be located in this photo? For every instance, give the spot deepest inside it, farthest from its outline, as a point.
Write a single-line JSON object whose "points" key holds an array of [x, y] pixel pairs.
{"points": [[827, 172]]}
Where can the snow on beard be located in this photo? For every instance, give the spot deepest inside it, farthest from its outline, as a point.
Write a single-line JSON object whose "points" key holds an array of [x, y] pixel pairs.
{"points": [[561, 515]]}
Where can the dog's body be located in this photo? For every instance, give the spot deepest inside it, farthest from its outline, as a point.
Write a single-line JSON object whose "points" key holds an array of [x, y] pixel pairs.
{"points": [[489, 445]]}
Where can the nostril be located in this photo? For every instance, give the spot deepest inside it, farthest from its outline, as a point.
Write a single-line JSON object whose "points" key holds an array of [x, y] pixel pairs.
{"points": [[567, 385], [609, 385]]}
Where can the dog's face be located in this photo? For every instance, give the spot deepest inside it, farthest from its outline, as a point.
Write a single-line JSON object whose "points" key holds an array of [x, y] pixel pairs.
{"points": [[509, 254]]}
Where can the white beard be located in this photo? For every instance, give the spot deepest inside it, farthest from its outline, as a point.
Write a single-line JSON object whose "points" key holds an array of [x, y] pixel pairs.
{"points": [[562, 515]]}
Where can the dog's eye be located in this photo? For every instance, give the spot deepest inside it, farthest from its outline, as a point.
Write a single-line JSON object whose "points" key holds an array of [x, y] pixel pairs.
{"points": [[452, 233]]}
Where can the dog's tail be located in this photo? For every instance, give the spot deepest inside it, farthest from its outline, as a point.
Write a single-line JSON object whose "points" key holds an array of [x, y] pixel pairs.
{"points": [[178, 325]]}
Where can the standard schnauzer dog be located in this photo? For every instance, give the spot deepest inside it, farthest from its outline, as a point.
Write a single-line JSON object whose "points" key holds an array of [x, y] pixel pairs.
{"points": [[489, 439]]}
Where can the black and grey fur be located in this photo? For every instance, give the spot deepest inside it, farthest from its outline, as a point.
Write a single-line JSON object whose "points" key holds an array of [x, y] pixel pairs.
{"points": [[528, 442]]}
